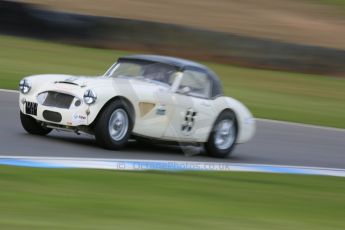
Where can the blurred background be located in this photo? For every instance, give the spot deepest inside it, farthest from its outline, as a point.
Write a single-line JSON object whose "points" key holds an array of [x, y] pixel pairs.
{"points": [[310, 22], [284, 58]]}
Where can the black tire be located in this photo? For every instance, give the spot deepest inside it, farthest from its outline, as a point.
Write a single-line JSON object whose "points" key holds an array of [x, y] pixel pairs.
{"points": [[211, 147], [31, 125], [101, 128]]}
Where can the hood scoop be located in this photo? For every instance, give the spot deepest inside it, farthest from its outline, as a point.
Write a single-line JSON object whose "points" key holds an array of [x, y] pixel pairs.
{"points": [[72, 81], [66, 82]]}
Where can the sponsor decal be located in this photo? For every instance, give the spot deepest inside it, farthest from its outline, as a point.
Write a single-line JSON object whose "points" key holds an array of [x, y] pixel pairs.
{"points": [[78, 118], [161, 110]]}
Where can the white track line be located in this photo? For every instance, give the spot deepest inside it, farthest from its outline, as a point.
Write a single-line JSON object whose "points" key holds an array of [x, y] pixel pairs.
{"points": [[9, 91], [300, 125]]}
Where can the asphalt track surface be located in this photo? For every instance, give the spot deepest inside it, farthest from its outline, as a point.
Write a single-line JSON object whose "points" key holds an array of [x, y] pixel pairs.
{"points": [[275, 143]]}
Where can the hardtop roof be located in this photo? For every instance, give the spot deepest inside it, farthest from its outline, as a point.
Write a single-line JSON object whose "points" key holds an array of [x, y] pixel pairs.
{"points": [[181, 64], [177, 62]]}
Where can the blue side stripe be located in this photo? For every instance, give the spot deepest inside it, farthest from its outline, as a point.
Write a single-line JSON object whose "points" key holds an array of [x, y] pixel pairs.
{"points": [[275, 169], [118, 164], [167, 166], [26, 163]]}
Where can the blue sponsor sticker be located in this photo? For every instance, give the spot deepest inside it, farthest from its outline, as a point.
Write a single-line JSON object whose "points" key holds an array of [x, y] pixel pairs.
{"points": [[161, 110]]}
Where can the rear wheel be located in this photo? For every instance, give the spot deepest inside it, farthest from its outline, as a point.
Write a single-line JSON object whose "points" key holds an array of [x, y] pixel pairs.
{"points": [[222, 139], [31, 125], [113, 126]]}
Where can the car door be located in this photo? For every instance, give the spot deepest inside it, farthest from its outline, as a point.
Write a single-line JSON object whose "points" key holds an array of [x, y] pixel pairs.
{"points": [[193, 108]]}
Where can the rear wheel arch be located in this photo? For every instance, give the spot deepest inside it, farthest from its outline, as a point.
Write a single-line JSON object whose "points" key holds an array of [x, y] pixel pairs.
{"points": [[221, 112], [216, 149]]}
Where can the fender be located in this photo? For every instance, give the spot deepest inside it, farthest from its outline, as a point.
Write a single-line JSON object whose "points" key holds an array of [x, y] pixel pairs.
{"points": [[245, 120]]}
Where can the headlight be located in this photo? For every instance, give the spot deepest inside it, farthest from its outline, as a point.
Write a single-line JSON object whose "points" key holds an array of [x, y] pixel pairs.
{"points": [[24, 86], [90, 97]]}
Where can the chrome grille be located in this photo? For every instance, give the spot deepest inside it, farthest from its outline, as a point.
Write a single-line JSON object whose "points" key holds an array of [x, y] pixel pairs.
{"points": [[59, 100]]}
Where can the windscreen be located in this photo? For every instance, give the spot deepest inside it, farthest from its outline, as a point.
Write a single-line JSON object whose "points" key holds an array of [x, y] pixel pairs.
{"points": [[148, 71]]}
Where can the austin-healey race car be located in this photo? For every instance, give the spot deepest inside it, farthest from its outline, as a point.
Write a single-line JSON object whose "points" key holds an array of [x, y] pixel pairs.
{"points": [[144, 96]]}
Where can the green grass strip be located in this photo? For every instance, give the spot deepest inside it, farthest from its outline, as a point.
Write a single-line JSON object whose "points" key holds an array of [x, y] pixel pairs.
{"points": [[95, 199]]}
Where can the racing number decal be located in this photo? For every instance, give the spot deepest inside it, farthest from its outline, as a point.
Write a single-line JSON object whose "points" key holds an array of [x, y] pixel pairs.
{"points": [[188, 122]]}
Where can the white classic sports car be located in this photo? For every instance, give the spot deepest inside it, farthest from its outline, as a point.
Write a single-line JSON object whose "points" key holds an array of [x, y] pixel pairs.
{"points": [[140, 96]]}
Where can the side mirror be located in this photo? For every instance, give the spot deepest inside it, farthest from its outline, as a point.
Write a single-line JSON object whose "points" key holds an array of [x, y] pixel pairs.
{"points": [[185, 90]]}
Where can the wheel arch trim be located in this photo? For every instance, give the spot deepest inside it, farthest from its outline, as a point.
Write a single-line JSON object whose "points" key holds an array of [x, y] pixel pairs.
{"points": [[216, 118], [125, 101]]}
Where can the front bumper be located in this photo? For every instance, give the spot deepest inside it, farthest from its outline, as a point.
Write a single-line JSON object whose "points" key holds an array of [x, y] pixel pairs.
{"points": [[74, 116]]}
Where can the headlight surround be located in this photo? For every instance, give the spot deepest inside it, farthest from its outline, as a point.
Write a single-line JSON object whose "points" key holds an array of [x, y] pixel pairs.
{"points": [[90, 97], [24, 86]]}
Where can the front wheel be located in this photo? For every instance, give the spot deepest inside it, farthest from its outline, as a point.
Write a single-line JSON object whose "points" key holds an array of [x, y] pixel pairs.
{"points": [[113, 127], [32, 126], [223, 136]]}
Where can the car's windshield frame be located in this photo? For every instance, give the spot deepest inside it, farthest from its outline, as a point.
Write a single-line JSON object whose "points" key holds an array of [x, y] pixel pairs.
{"points": [[163, 76]]}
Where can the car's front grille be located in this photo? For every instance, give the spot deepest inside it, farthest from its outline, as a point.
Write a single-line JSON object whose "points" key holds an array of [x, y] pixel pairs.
{"points": [[59, 100]]}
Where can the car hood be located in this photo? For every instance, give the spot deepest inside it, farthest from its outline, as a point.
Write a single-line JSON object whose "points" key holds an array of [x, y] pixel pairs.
{"points": [[62, 82], [79, 84], [81, 81]]}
